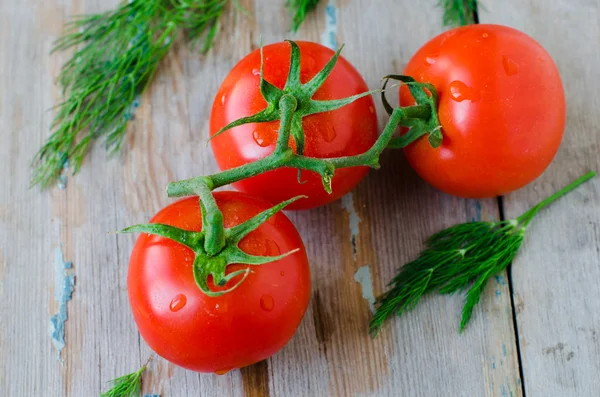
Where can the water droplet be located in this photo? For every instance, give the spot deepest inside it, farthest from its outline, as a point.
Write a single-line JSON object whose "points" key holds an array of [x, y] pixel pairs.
{"points": [[222, 371], [485, 35], [462, 92], [281, 273], [509, 66], [430, 60], [262, 138], [371, 109], [178, 303], [308, 63], [221, 307], [256, 71], [267, 303], [223, 100], [272, 249], [328, 132]]}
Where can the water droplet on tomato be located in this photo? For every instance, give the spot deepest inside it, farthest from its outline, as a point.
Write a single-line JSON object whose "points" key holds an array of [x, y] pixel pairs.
{"points": [[178, 303], [308, 63], [431, 60], [371, 109], [256, 71], [223, 100], [509, 66], [267, 303], [222, 371], [485, 35], [281, 273], [221, 308], [328, 132], [272, 249], [262, 138], [462, 92]]}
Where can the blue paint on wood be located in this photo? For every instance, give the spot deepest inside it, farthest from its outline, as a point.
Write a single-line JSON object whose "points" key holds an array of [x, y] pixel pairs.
{"points": [[500, 280], [329, 36], [477, 216], [353, 221], [363, 277], [62, 178], [63, 292], [152, 395]]}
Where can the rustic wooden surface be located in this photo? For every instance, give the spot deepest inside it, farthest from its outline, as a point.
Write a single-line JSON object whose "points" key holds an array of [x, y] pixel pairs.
{"points": [[550, 299]]}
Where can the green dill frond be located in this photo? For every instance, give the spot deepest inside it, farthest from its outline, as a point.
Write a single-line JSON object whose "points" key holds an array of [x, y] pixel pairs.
{"points": [[116, 56], [464, 256], [200, 20], [129, 385], [299, 9], [458, 12], [452, 260]]}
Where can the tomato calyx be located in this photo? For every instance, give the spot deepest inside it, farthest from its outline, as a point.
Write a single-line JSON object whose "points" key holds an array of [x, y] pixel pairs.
{"points": [[208, 263], [425, 95], [293, 103], [422, 118], [302, 93]]}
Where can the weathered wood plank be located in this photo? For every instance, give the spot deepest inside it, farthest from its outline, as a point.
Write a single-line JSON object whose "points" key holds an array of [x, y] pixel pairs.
{"points": [[555, 278], [387, 217]]}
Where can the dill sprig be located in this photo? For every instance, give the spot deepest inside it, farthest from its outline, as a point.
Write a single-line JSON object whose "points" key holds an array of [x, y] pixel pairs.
{"points": [[116, 56], [129, 385], [458, 12], [462, 257], [299, 9]]}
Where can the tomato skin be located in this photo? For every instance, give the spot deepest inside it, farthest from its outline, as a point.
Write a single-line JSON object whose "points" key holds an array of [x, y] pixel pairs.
{"points": [[501, 106], [217, 334], [349, 130]]}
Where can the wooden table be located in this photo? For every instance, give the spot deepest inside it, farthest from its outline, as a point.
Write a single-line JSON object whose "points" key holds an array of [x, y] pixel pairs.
{"points": [[536, 332]]}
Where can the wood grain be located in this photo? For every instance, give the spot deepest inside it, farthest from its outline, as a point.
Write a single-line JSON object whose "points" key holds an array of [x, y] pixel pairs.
{"points": [[555, 278], [381, 226]]}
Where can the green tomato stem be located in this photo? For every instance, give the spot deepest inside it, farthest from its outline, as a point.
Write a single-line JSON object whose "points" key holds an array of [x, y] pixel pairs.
{"points": [[285, 157], [289, 106], [212, 217]]}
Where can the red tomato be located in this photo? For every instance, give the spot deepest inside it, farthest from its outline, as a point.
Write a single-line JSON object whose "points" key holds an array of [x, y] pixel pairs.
{"points": [[349, 130], [217, 334], [501, 106]]}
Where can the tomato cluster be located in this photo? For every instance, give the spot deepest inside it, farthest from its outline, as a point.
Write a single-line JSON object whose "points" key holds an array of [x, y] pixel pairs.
{"points": [[502, 113]]}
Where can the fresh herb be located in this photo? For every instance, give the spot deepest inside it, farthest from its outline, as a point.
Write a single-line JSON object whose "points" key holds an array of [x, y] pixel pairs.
{"points": [[299, 9], [129, 385], [463, 255], [117, 55], [459, 12]]}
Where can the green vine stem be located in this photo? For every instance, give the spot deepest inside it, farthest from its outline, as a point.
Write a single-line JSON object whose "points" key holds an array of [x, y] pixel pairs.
{"points": [[215, 246], [462, 257], [294, 102]]}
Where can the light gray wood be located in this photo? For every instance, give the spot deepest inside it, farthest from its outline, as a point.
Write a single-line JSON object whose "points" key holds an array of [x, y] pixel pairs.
{"points": [[390, 214], [555, 277]]}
